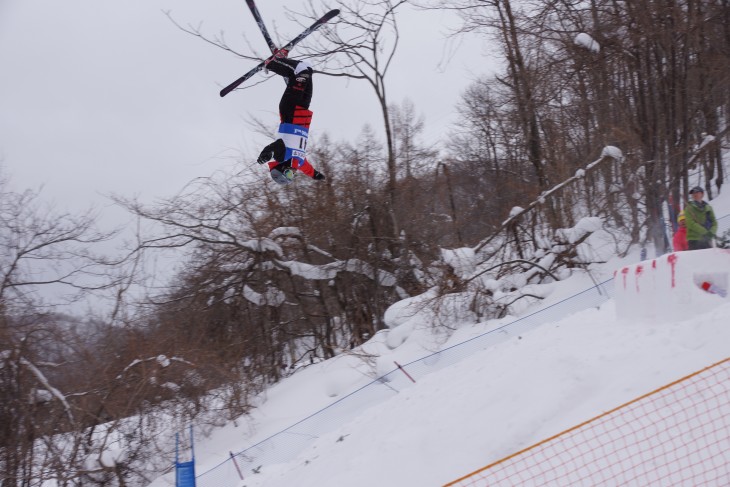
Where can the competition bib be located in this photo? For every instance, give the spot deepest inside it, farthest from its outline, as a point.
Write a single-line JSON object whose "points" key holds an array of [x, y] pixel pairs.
{"points": [[295, 140]]}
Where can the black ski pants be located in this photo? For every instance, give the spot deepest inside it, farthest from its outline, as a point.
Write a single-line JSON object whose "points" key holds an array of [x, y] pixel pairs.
{"points": [[298, 92]]}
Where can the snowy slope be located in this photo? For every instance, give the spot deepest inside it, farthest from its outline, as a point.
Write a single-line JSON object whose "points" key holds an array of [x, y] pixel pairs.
{"points": [[521, 389], [504, 399]]}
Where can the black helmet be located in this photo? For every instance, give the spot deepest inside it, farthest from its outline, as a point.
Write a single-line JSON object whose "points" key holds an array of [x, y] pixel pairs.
{"points": [[696, 189], [282, 174]]}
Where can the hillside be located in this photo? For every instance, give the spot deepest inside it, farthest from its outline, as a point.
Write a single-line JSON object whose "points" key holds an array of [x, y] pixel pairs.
{"points": [[525, 386]]}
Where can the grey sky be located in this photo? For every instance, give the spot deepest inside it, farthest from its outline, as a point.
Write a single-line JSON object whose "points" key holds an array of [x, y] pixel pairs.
{"points": [[100, 97]]}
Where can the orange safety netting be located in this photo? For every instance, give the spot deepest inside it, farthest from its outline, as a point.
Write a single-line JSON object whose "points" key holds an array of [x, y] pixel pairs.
{"points": [[678, 435]]}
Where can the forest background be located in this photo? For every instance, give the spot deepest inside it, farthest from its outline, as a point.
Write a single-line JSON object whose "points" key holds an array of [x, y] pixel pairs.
{"points": [[610, 110]]}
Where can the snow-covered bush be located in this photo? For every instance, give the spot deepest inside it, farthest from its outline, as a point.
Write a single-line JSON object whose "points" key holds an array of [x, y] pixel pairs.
{"points": [[513, 268]]}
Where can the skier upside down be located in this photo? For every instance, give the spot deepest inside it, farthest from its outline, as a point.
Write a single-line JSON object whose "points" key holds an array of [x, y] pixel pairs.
{"points": [[289, 150]]}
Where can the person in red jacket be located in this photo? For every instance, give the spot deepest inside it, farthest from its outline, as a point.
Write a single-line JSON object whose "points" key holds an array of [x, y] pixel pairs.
{"points": [[289, 150], [679, 241]]}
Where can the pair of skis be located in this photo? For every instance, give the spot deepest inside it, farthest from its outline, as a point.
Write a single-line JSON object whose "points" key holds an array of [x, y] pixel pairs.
{"points": [[257, 16]]}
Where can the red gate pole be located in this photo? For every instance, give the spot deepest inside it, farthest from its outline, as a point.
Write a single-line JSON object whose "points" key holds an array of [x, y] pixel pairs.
{"points": [[404, 371], [233, 457]]}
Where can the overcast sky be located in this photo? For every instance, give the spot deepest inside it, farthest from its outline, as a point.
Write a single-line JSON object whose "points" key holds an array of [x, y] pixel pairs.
{"points": [[100, 97]]}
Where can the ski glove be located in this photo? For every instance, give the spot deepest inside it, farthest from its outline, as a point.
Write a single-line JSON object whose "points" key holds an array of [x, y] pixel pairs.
{"points": [[318, 176], [265, 156], [277, 54]]}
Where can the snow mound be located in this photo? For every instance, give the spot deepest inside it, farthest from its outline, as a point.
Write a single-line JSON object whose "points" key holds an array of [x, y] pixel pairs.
{"points": [[281, 232], [463, 260], [340, 381], [586, 41], [611, 151], [272, 296], [585, 226]]}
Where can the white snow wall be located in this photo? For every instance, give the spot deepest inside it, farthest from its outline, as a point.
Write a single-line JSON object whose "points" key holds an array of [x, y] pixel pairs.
{"points": [[670, 287]]}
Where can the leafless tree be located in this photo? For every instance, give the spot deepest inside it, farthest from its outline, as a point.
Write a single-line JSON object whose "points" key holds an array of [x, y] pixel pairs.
{"points": [[361, 44], [646, 84], [42, 248], [69, 385]]}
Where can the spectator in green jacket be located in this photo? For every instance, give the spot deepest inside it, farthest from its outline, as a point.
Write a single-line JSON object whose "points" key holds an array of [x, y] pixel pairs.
{"points": [[700, 219]]}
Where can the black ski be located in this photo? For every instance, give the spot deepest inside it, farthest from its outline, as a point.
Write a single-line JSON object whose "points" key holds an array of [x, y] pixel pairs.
{"points": [[257, 17], [319, 23], [262, 27]]}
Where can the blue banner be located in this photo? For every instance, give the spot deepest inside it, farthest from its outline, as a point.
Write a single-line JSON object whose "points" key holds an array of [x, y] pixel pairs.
{"points": [[185, 474]]}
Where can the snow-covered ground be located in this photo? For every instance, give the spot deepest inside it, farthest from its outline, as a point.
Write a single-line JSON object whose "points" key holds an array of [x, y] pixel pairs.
{"points": [[471, 404]]}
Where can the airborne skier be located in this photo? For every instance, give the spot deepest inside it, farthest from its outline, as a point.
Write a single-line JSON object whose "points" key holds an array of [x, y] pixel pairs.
{"points": [[289, 150]]}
